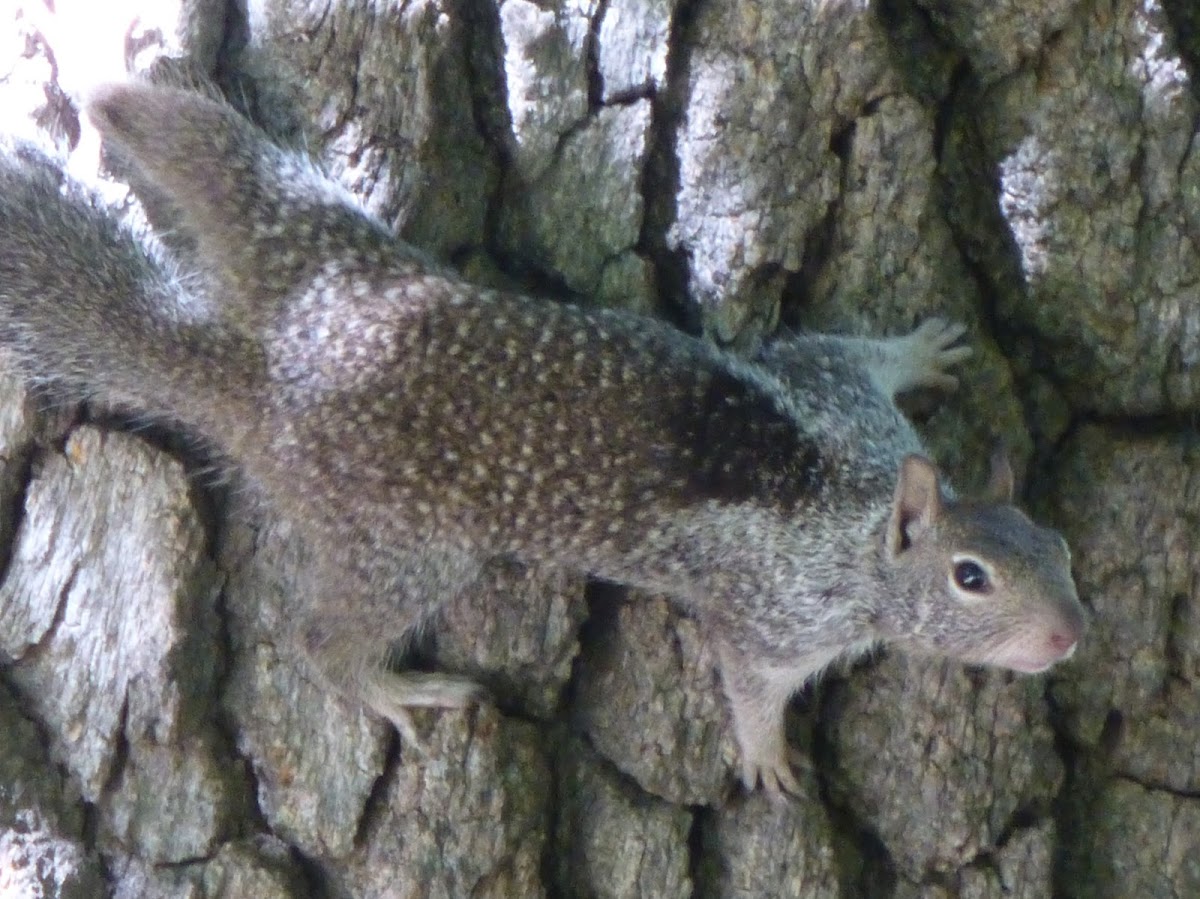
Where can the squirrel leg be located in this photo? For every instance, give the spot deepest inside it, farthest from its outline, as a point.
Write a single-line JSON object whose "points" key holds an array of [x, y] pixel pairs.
{"points": [[891, 365], [348, 640], [352, 661], [758, 702]]}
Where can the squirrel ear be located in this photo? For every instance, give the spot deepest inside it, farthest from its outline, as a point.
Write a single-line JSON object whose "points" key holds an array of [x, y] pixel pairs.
{"points": [[1000, 484], [916, 504]]}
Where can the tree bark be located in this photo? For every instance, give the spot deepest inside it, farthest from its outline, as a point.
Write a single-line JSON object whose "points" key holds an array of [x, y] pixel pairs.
{"points": [[1028, 168]]}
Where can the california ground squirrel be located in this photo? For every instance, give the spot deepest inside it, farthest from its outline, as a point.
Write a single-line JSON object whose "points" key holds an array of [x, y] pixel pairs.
{"points": [[412, 426]]}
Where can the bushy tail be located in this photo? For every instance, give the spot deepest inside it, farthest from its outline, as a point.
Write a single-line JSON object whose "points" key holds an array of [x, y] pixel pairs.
{"points": [[83, 302], [261, 217]]}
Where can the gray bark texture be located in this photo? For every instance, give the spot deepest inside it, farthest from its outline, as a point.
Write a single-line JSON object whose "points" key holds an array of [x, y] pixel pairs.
{"points": [[1028, 167]]}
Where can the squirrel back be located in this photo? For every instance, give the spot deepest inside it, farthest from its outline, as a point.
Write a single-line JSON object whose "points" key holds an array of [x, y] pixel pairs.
{"points": [[521, 426]]}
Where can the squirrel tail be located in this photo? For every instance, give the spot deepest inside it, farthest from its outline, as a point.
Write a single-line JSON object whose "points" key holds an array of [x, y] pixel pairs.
{"points": [[261, 216], [84, 303]]}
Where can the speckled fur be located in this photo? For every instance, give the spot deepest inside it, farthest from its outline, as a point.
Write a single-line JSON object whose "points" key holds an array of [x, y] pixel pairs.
{"points": [[413, 426]]}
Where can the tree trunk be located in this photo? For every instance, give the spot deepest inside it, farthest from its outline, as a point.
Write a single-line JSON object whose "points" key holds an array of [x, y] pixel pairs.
{"points": [[1028, 168]]}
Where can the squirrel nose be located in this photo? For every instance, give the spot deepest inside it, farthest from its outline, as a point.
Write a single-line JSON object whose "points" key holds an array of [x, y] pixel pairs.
{"points": [[1068, 631], [1064, 643]]}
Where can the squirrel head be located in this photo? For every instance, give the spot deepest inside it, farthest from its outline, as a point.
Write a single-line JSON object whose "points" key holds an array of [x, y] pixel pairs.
{"points": [[976, 580]]}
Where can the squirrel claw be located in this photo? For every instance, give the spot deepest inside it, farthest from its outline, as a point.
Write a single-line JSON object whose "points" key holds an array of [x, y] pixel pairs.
{"points": [[778, 777]]}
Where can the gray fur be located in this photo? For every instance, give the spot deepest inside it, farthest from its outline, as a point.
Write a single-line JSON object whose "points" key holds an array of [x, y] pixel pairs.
{"points": [[413, 426]]}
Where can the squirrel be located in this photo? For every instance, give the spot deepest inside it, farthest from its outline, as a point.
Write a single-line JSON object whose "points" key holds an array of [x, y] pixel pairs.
{"points": [[412, 425]]}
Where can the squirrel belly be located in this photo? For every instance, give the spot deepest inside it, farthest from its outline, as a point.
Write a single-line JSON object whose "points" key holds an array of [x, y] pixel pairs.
{"points": [[412, 426]]}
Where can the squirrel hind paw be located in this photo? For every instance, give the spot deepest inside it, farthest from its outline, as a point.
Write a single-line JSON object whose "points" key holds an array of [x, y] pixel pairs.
{"points": [[390, 690], [393, 695]]}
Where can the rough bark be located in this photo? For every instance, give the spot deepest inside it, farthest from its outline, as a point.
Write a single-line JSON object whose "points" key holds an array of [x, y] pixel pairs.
{"points": [[1030, 168]]}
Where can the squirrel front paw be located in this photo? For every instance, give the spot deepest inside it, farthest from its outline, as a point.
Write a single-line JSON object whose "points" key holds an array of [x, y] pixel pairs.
{"points": [[776, 774], [929, 351], [767, 760]]}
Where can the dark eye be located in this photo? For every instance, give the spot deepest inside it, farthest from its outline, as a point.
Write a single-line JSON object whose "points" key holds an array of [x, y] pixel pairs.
{"points": [[971, 576]]}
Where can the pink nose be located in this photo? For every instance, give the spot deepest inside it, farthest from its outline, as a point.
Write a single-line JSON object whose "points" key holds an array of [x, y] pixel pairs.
{"points": [[1062, 642]]}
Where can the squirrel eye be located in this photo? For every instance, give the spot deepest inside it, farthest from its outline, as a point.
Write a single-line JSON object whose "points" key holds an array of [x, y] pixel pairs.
{"points": [[970, 576]]}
